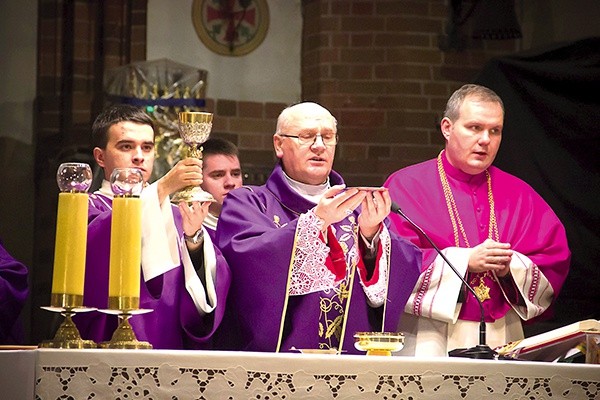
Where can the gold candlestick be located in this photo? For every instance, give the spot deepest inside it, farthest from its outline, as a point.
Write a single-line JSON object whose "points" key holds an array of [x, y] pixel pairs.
{"points": [[68, 275], [125, 256], [194, 128]]}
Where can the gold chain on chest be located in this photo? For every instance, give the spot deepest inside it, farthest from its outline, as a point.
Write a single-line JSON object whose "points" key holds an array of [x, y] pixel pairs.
{"points": [[482, 289]]}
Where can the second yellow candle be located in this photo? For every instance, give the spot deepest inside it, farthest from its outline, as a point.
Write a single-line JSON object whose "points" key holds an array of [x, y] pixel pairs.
{"points": [[125, 253]]}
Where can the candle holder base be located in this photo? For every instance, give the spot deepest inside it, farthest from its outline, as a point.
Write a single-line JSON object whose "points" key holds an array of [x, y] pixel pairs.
{"points": [[67, 336], [124, 336]]}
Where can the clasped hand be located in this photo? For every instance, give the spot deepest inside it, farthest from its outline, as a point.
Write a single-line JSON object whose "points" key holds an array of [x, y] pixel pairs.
{"points": [[338, 202]]}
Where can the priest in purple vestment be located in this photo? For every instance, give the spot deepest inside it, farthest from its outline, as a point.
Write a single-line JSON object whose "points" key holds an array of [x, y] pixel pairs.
{"points": [[493, 227], [184, 279], [312, 260], [13, 294]]}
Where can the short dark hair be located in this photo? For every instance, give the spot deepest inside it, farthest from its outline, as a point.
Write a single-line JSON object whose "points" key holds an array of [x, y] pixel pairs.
{"points": [[113, 115], [216, 145], [480, 92]]}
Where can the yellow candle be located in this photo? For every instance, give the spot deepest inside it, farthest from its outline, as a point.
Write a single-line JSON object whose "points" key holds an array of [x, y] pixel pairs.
{"points": [[125, 253], [69, 251]]}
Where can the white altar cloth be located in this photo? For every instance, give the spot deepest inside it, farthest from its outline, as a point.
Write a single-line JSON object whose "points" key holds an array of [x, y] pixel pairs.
{"points": [[161, 374]]}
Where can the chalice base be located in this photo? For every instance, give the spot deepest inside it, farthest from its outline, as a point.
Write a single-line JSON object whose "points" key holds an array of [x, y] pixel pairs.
{"points": [[379, 343], [191, 194]]}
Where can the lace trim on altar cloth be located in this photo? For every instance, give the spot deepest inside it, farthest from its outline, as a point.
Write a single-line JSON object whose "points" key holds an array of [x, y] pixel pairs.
{"points": [[309, 273], [102, 381]]}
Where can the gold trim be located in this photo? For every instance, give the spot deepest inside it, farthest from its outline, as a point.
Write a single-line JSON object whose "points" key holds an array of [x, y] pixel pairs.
{"points": [[66, 300], [287, 295], [123, 303]]}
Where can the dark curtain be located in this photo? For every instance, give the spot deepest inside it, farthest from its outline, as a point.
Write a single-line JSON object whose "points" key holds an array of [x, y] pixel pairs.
{"points": [[551, 140]]}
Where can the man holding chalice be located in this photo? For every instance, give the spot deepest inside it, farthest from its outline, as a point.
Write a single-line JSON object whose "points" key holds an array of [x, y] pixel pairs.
{"points": [[184, 279]]}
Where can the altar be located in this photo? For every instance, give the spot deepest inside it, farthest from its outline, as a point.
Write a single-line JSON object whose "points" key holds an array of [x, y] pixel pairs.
{"points": [[49, 374]]}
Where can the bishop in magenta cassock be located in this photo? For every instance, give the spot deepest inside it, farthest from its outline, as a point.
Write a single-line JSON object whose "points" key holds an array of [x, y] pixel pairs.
{"points": [[467, 206]]}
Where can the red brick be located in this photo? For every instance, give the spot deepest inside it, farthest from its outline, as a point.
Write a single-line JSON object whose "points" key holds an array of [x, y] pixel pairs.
{"points": [[362, 55], [360, 24], [414, 55], [253, 141], [351, 152], [272, 110], [396, 39], [397, 7], [414, 24], [250, 109], [227, 108], [359, 118], [340, 39], [361, 72], [341, 7], [362, 40], [251, 125], [362, 8], [402, 71]]}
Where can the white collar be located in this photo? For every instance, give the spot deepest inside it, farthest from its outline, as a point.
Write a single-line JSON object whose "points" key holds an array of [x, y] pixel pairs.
{"points": [[310, 192]]}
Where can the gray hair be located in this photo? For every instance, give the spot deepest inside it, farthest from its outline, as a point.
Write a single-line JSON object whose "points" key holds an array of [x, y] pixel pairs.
{"points": [[292, 115]]}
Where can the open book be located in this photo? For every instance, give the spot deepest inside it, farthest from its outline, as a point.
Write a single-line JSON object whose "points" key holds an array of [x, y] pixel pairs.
{"points": [[551, 345]]}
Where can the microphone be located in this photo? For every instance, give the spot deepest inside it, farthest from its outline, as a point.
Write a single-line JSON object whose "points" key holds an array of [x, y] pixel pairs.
{"points": [[482, 350]]}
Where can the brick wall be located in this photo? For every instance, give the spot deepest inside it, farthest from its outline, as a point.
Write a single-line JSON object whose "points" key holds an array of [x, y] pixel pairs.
{"points": [[378, 67]]}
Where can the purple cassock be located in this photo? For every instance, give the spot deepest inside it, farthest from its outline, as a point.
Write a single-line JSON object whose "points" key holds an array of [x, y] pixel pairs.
{"points": [[541, 257], [292, 287], [13, 293], [187, 305]]}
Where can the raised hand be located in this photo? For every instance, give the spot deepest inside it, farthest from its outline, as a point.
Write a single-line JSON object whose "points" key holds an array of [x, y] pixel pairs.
{"points": [[376, 205], [187, 172], [337, 203]]}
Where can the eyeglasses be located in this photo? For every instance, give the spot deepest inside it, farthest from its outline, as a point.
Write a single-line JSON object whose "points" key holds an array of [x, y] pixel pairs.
{"points": [[329, 139]]}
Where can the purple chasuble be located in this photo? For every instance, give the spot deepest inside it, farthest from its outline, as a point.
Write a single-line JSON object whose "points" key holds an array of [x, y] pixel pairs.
{"points": [[524, 220], [258, 233], [175, 322], [13, 293]]}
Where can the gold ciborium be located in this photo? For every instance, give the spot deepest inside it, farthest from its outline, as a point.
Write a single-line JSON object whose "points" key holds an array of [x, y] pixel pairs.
{"points": [[379, 343], [194, 129]]}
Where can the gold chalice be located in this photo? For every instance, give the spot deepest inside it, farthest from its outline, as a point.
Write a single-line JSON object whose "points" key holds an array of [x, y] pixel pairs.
{"points": [[194, 129], [379, 343]]}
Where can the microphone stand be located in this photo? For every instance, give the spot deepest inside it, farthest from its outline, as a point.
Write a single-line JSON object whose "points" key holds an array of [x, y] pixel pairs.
{"points": [[482, 350]]}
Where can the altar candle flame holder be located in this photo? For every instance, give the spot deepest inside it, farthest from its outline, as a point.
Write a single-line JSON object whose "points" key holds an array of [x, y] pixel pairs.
{"points": [[74, 180], [125, 257], [194, 129]]}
